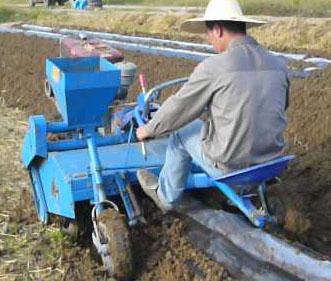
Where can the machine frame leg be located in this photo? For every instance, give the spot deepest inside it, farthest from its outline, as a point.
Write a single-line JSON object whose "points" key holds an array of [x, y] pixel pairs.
{"points": [[96, 171], [262, 191], [38, 195], [243, 204], [131, 205]]}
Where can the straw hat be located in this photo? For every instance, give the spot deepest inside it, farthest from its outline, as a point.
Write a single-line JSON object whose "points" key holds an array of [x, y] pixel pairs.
{"points": [[219, 10]]}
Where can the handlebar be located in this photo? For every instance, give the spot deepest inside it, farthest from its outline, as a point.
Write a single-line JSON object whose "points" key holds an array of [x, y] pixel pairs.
{"points": [[157, 89], [154, 93], [140, 112]]}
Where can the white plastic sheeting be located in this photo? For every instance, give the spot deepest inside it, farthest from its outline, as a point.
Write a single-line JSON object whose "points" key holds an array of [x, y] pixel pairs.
{"points": [[163, 47]]}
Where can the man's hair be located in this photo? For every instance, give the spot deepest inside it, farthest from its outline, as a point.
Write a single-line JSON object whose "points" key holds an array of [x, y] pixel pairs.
{"points": [[231, 26]]}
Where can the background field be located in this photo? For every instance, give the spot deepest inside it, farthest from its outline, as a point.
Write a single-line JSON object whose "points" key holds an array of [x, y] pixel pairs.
{"points": [[294, 24], [265, 7], [311, 35], [316, 8]]}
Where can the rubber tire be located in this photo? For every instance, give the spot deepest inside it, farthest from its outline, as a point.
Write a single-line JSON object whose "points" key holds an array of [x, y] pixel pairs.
{"points": [[114, 231], [70, 228]]}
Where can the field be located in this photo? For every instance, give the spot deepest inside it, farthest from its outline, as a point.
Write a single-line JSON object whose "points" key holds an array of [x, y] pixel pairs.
{"points": [[251, 7], [317, 8], [29, 251], [312, 35]]}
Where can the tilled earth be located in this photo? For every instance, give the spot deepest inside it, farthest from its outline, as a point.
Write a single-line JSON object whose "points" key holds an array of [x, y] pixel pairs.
{"points": [[162, 251]]}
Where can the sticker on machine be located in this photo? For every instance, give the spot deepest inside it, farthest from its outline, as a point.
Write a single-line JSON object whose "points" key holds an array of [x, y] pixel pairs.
{"points": [[56, 74]]}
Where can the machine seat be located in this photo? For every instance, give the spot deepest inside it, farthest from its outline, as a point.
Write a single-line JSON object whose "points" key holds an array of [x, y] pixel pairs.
{"points": [[257, 174]]}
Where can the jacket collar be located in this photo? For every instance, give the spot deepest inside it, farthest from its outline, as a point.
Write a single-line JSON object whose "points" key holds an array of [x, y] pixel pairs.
{"points": [[244, 40]]}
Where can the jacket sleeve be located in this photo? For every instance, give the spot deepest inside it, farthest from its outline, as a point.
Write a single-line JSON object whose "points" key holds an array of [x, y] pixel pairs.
{"points": [[185, 106], [287, 97]]}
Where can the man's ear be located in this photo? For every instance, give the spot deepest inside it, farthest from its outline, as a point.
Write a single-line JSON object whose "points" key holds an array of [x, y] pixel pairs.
{"points": [[218, 31]]}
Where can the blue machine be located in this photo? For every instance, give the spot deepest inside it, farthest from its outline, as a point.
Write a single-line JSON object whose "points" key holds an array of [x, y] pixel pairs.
{"points": [[87, 165], [80, 4]]}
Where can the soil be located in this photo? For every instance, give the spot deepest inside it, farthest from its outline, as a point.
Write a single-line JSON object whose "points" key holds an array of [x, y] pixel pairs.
{"points": [[306, 187], [164, 252]]}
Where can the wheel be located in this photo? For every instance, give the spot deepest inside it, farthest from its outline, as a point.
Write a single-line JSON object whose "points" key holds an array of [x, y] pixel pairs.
{"points": [[114, 232], [70, 228], [48, 89], [38, 195], [31, 3]]}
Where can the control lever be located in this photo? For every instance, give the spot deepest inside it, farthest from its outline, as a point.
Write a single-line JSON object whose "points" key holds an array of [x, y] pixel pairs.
{"points": [[143, 85]]}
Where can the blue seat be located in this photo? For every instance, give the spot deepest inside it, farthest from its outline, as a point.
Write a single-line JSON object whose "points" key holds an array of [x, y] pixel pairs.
{"points": [[257, 174]]}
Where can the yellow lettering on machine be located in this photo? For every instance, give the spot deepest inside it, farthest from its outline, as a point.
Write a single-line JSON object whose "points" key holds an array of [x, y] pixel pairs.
{"points": [[56, 74]]}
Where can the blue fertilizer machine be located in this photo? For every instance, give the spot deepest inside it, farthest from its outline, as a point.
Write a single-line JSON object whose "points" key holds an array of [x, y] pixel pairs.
{"points": [[92, 156]]}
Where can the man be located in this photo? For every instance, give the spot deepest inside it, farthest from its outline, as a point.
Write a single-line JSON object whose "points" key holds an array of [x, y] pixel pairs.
{"points": [[243, 89]]}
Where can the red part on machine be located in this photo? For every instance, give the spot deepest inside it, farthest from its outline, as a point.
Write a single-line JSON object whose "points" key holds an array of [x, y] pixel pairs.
{"points": [[71, 47], [143, 82]]}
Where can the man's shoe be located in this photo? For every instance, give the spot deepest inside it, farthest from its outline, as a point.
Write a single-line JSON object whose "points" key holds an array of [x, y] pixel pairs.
{"points": [[149, 183]]}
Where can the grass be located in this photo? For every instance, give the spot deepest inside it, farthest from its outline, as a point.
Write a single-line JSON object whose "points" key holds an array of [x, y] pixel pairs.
{"points": [[6, 15], [315, 8], [9, 14], [307, 8], [294, 33]]}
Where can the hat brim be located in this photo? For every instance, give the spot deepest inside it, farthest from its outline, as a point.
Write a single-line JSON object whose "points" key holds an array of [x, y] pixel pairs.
{"points": [[198, 25]]}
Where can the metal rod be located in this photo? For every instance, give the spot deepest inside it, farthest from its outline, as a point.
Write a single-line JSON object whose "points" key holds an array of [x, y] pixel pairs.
{"points": [[81, 144], [96, 170], [58, 127], [247, 209], [262, 191], [163, 86], [143, 149]]}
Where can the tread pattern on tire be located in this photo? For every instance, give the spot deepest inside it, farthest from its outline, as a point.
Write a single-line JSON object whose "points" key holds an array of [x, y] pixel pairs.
{"points": [[113, 225]]}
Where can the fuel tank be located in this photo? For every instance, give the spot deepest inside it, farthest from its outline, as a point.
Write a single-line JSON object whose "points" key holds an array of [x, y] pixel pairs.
{"points": [[70, 47]]}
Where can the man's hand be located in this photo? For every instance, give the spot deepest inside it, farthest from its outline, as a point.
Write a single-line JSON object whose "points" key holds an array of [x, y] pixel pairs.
{"points": [[141, 133]]}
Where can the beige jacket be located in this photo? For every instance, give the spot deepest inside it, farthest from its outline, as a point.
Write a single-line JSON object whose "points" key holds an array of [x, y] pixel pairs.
{"points": [[245, 93]]}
